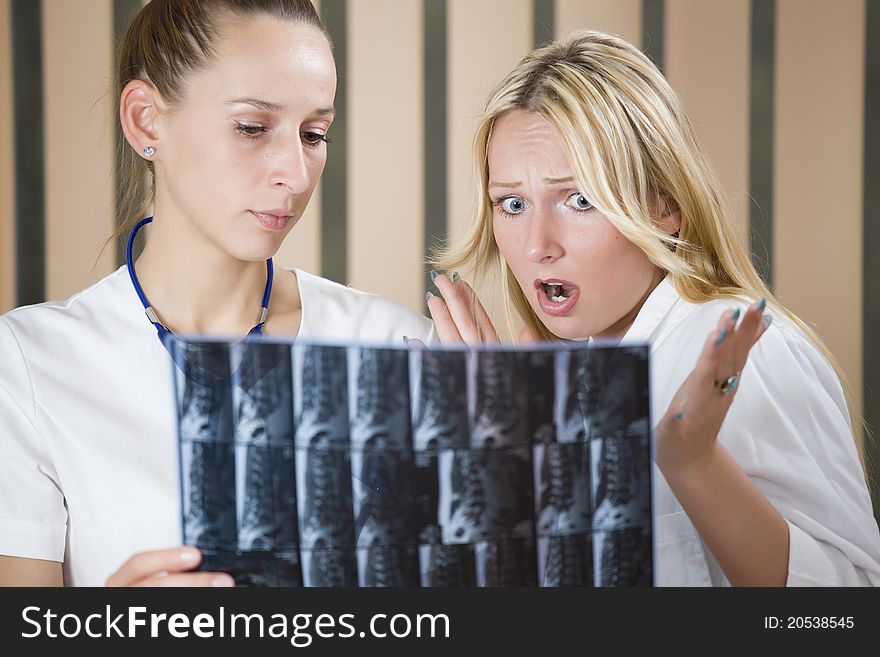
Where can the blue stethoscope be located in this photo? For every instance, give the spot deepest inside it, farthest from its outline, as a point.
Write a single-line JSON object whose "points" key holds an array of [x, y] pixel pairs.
{"points": [[163, 330]]}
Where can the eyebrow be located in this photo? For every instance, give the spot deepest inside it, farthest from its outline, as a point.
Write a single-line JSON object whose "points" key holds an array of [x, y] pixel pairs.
{"points": [[549, 181], [275, 107]]}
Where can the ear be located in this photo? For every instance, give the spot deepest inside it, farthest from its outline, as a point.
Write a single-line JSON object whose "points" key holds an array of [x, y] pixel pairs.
{"points": [[139, 106], [670, 217]]}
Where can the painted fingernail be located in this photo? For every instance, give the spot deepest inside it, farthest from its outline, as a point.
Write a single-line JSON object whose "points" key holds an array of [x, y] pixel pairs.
{"points": [[455, 277], [721, 337], [762, 304], [405, 339], [189, 555], [433, 274], [735, 315], [428, 296], [767, 319], [222, 580]]}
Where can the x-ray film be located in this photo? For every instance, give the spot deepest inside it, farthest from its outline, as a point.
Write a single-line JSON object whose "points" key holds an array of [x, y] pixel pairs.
{"points": [[306, 464]]}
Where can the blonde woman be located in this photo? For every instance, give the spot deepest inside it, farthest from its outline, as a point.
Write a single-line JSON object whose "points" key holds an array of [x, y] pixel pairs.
{"points": [[598, 211]]}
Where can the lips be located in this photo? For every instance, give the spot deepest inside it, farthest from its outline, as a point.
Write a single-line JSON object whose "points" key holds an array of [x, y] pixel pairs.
{"points": [[272, 219], [556, 297]]}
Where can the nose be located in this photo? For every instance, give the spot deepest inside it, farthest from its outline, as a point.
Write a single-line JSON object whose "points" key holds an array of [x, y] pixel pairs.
{"points": [[543, 245], [290, 170]]}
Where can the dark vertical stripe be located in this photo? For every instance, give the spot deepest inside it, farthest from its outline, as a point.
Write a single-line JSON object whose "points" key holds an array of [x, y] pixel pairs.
{"points": [[543, 21], [871, 247], [123, 12], [27, 100], [334, 183], [763, 46], [653, 27], [435, 27]]}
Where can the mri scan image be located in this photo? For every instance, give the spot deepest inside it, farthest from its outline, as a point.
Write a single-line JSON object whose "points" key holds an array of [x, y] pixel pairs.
{"points": [[348, 465]]}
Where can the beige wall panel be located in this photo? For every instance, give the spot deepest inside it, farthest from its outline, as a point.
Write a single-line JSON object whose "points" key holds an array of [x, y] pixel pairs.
{"points": [[302, 248], [707, 63], [7, 154], [385, 150], [817, 209], [476, 60], [620, 17], [79, 163]]}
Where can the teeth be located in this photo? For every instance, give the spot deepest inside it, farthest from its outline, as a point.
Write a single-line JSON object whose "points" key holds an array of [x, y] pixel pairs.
{"points": [[556, 291]]}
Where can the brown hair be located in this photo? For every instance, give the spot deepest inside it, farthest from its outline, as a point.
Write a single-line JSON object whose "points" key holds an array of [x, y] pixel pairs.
{"points": [[167, 41]]}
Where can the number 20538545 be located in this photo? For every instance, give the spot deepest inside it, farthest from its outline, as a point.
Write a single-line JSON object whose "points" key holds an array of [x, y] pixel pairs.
{"points": [[808, 622]]}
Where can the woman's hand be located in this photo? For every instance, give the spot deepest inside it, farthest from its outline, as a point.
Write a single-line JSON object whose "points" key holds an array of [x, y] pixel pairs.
{"points": [[166, 568], [687, 435], [458, 315]]}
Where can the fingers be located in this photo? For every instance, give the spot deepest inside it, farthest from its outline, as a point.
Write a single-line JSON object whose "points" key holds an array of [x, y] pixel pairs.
{"points": [[695, 415], [187, 579], [467, 315], [727, 347], [148, 564], [754, 323], [715, 349], [743, 337], [487, 328], [447, 331], [466, 310], [728, 364]]}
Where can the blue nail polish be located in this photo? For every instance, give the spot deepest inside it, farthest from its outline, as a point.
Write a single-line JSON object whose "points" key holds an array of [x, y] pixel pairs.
{"points": [[735, 315], [405, 339], [428, 296], [455, 277], [762, 304], [721, 337], [433, 274]]}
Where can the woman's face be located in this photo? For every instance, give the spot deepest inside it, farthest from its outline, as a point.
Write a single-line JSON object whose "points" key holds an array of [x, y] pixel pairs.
{"points": [[582, 277], [242, 152]]}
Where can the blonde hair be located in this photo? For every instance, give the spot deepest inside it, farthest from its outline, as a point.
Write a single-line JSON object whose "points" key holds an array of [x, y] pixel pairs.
{"points": [[633, 152]]}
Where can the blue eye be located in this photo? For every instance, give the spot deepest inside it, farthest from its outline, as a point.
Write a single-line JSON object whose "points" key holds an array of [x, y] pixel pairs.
{"points": [[513, 204], [578, 201]]}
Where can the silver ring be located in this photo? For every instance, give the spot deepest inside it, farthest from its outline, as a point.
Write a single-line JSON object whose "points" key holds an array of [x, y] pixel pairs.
{"points": [[728, 385]]}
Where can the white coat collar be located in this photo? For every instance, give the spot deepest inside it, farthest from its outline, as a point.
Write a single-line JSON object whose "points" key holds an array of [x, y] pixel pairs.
{"points": [[657, 307]]}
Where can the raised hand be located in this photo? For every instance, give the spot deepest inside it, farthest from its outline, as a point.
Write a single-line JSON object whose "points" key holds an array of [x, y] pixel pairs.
{"points": [[687, 434], [458, 315]]}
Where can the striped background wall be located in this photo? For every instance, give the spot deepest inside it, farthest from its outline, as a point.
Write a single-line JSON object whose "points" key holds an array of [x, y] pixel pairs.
{"points": [[792, 128]]}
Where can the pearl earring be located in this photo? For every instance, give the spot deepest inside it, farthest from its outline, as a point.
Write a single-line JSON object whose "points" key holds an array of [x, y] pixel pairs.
{"points": [[149, 151]]}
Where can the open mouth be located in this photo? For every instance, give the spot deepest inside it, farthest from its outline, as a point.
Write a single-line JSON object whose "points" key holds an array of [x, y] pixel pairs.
{"points": [[557, 292], [556, 297]]}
